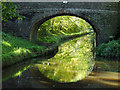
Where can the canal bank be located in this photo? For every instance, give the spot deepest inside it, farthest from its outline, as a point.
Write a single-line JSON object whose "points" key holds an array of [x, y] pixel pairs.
{"points": [[15, 50]]}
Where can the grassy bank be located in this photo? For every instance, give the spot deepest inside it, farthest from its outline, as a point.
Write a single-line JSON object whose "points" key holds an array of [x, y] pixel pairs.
{"points": [[15, 49]]}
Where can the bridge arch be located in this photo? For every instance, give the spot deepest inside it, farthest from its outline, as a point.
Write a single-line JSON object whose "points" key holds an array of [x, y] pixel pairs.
{"points": [[40, 20], [102, 16]]}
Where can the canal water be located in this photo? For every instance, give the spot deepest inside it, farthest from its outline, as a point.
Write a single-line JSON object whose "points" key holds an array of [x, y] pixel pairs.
{"points": [[71, 67]]}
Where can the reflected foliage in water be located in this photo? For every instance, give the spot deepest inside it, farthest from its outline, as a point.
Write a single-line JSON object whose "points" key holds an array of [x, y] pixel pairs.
{"points": [[73, 62]]}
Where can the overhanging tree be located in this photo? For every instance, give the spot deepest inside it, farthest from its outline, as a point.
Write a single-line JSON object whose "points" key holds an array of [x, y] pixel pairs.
{"points": [[9, 11]]}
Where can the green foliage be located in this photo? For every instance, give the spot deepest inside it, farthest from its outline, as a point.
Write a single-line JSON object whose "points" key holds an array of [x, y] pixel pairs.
{"points": [[65, 24], [110, 49], [11, 43], [56, 28], [15, 49], [9, 11]]}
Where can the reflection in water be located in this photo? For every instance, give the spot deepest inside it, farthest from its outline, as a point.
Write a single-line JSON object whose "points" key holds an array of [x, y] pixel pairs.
{"points": [[97, 79], [103, 77], [74, 61], [17, 69]]}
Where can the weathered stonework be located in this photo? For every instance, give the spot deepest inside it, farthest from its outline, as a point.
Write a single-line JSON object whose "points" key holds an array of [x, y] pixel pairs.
{"points": [[103, 16]]}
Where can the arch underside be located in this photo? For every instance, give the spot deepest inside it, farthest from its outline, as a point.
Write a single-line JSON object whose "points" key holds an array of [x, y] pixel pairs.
{"points": [[37, 23]]}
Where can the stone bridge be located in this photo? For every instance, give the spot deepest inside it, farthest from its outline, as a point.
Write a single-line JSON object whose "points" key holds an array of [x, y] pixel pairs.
{"points": [[104, 17]]}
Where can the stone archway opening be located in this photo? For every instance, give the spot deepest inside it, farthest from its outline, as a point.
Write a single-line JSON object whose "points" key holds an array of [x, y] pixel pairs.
{"points": [[37, 24], [66, 65]]}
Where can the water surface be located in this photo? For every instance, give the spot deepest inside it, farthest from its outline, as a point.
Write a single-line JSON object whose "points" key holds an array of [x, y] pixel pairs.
{"points": [[71, 67], [74, 61]]}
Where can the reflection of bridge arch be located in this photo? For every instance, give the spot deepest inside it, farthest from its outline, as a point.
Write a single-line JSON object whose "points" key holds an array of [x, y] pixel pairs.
{"points": [[37, 23]]}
